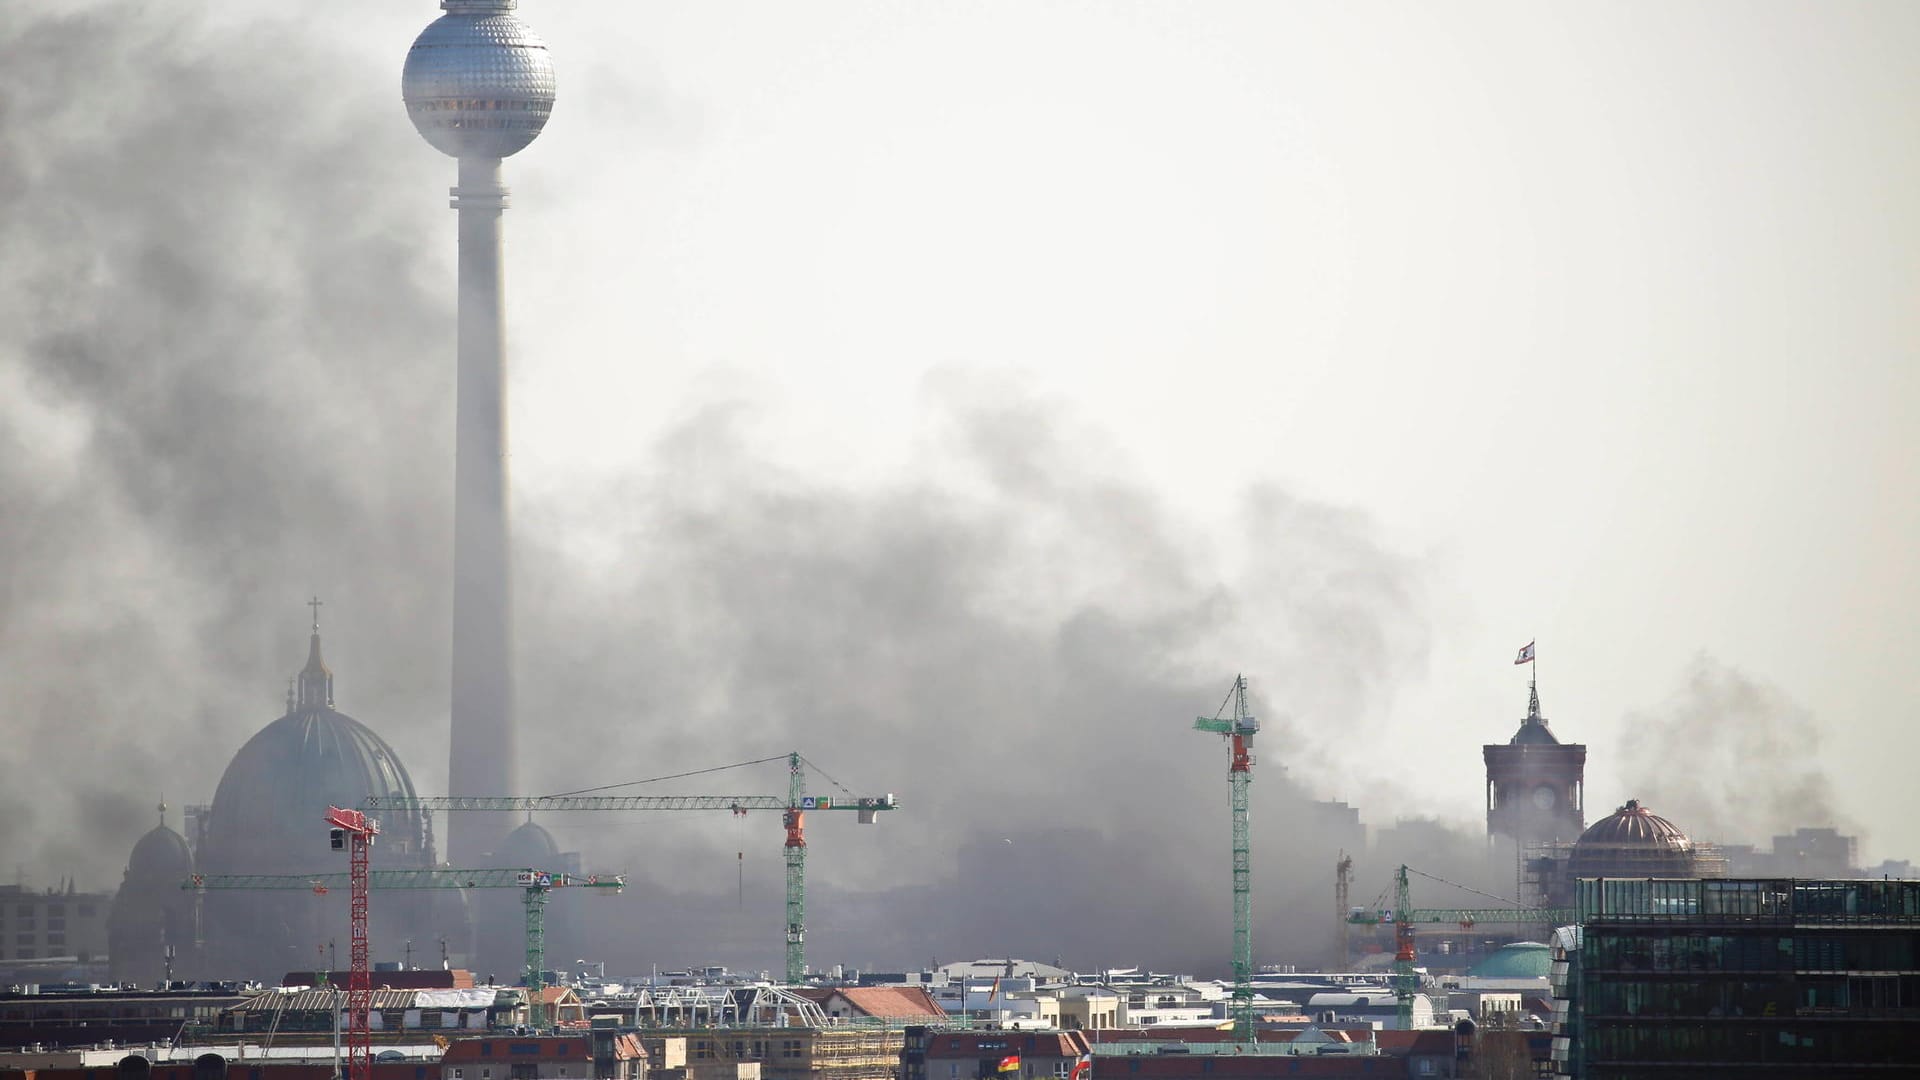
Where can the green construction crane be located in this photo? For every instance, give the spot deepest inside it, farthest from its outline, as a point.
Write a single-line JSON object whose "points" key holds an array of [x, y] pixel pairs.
{"points": [[793, 809], [1404, 916], [536, 884], [1240, 728]]}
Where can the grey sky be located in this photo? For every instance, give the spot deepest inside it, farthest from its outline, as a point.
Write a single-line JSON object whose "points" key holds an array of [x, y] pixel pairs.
{"points": [[1350, 345]]}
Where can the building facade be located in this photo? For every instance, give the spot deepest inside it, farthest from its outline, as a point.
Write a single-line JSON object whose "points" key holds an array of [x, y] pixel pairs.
{"points": [[40, 925], [1744, 977]]}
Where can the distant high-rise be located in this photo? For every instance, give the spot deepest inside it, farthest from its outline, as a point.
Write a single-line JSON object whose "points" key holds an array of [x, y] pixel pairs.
{"points": [[1536, 784], [479, 87]]}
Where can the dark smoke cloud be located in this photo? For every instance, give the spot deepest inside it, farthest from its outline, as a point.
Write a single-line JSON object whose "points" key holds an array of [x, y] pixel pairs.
{"points": [[223, 386], [1018, 652], [1752, 767], [226, 348]]}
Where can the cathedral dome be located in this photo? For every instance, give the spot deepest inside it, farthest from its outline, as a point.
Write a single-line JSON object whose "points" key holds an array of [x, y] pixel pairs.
{"points": [[268, 809], [161, 855]]}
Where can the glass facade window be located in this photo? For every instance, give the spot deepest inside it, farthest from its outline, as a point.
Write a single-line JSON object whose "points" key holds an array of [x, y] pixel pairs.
{"points": [[1799, 977]]}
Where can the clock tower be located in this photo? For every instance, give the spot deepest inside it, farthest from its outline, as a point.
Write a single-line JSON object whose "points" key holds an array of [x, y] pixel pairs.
{"points": [[1535, 783]]}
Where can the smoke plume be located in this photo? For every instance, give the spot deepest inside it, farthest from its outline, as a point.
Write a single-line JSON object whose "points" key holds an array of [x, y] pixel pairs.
{"points": [[225, 351], [1752, 768]]}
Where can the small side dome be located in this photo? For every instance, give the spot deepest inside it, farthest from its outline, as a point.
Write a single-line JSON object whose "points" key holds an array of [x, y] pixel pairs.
{"points": [[1517, 960], [530, 846], [161, 854]]}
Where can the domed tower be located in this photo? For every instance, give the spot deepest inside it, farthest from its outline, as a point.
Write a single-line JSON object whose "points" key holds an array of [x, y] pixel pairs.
{"points": [[499, 916], [150, 932], [1535, 782], [479, 86], [266, 818], [1633, 842]]}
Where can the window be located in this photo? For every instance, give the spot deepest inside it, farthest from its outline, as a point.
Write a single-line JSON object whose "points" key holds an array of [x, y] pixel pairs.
{"points": [[459, 1074], [486, 1074], [1426, 1067], [23, 954]]}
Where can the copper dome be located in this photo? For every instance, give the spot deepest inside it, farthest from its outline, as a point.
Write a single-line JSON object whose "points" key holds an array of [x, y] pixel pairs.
{"points": [[1633, 841]]}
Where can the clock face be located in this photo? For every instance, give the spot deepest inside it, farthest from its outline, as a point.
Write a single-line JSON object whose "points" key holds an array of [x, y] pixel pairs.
{"points": [[1545, 797]]}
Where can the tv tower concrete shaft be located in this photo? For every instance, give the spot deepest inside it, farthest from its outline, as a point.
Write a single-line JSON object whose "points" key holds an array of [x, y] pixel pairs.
{"points": [[479, 87], [484, 752]]}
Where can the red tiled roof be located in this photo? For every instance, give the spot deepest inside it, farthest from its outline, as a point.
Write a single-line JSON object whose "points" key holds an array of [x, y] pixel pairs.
{"points": [[1421, 1041], [883, 1000]]}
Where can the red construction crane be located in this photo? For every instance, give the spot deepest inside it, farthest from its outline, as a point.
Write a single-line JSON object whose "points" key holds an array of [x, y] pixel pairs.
{"points": [[355, 831]]}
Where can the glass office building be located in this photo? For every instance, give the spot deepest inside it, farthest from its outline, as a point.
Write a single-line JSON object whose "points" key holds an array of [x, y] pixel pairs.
{"points": [[1743, 977]]}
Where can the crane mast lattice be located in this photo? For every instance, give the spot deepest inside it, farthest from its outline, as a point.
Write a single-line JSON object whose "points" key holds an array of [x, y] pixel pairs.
{"points": [[1239, 728]]}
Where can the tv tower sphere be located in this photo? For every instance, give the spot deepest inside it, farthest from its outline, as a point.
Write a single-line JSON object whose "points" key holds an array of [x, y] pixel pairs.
{"points": [[477, 82]]}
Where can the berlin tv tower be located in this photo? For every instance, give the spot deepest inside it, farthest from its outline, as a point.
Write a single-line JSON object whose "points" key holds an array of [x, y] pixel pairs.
{"points": [[479, 87]]}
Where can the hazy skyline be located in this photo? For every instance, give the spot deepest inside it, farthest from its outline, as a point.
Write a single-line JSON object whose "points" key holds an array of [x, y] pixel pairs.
{"points": [[963, 394]]}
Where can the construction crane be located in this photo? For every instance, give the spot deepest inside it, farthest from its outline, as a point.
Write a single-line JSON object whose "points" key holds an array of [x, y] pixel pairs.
{"points": [[355, 831], [794, 806], [1342, 882], [1404, 916], [1239, 728], [535, 885]]}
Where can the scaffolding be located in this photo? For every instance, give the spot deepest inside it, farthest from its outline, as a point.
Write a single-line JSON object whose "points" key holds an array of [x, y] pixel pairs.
{"points": [[790, 1052], [1547, 871]]}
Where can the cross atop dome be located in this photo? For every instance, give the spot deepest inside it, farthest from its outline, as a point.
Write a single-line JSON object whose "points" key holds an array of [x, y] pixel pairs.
{"points": [[314, 687]]}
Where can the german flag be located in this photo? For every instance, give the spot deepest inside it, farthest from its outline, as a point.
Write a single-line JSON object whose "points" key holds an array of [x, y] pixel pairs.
{"points": [[1010, 1063]]}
